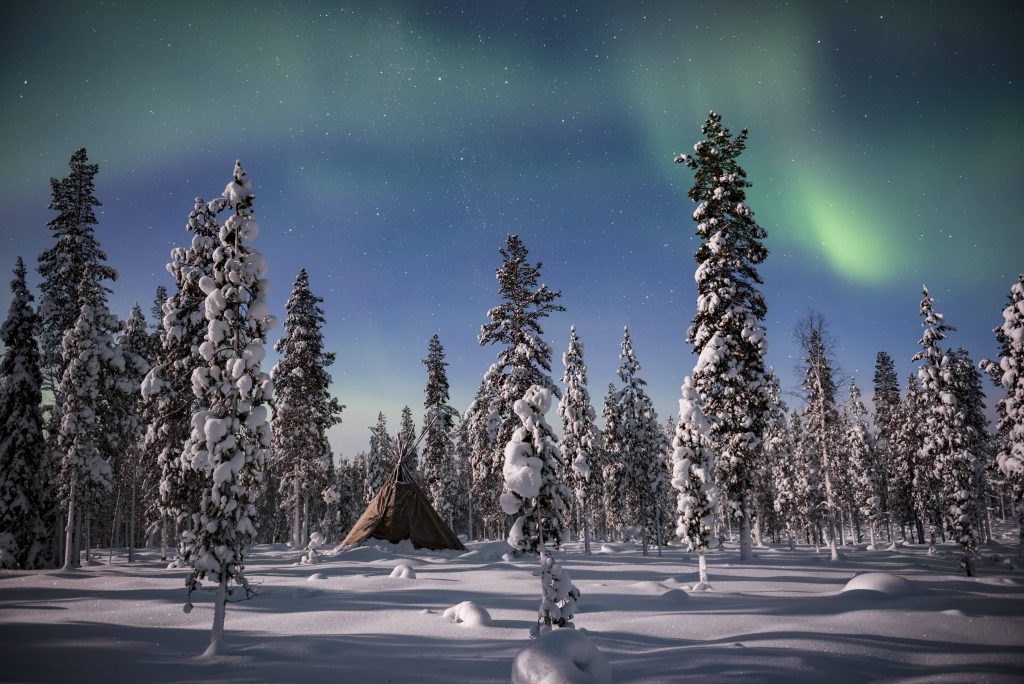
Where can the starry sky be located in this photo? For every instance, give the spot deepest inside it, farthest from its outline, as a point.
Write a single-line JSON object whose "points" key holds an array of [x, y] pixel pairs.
{"points": [[393, 146]]}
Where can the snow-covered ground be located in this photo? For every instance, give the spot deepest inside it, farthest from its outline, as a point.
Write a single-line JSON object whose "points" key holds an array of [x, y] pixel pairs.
{"points": [[786, 616]]}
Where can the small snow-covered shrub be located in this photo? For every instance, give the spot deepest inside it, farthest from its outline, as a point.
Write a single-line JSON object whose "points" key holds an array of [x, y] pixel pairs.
{"points": [[468, 613], [564, 656]]}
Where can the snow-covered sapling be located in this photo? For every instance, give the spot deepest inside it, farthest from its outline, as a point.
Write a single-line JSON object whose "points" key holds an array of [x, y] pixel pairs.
{"points": [[692, 466], [534, 494]]}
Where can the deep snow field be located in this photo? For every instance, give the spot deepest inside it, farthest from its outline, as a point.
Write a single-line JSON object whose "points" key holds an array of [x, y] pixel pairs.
{"points": [[783, 617]]}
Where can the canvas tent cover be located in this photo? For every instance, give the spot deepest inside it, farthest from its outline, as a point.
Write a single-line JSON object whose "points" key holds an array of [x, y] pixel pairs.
{"points": [[401, 511]]}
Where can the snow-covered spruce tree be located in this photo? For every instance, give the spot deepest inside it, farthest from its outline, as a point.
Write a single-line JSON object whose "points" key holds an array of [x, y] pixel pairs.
{"points": [[821, 414], [157, 312], [230, 432], [478, 431], [966, 384], [23, 456], [136, 347], [345, 497], [910, 482], [378, 460], [806, 479], [640, 448], [304, 407], [85, 472], [438, 469], [693, 465], [945, 435], [785, 471], [540, 503], [777, 454], [727, 332], [168, 391], [147, 471], [524, 358], [764, 492], [407, 435], [614, 474], [886, 420], [361, 496], [579, 436], [73, 269], [462, 453], [1008, 372], [868, 478]]}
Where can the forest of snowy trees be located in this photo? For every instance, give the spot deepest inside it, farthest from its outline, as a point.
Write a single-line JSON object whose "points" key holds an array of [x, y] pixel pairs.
{"points": [[171, 431]]}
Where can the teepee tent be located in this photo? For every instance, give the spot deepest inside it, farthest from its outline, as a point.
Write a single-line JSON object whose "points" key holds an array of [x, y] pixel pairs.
{"points": [[400, 510]]}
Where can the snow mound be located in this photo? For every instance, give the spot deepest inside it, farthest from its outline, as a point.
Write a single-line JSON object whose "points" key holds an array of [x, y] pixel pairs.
{"points": [[881, 583], [315, 576], [486, 551], [563, 656], [650, 587], [607, 548], [676, 596], [361, 554], [403, 571], [468, 613]]}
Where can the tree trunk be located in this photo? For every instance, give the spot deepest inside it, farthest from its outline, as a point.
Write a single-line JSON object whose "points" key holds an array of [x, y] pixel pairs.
{"points": [[296, 512], [163, 537], [1020, 530], [702, 570], [545, 582], [657, 525], [586, 527], [69, 539], [114, 528], [746, 550], [59, 540], [219, 608], [131, 524], [88, 538], [305, 521]]}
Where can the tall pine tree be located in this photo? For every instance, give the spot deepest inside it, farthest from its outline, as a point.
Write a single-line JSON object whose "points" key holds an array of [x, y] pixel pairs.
{"points": [[439, 472], [170, 398], [230, 433], [822, 415], [887, 412], [946, 440], [24, 462], [868, 477], [83, 440], [579, 436], [137, 349], [1008, 372], [727, 332], [305, 409], [524, 358], [378, 460], [74, 268]]}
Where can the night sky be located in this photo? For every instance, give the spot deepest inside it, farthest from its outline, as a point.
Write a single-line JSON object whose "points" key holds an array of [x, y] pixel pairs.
{"points": [[393, 146]]}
